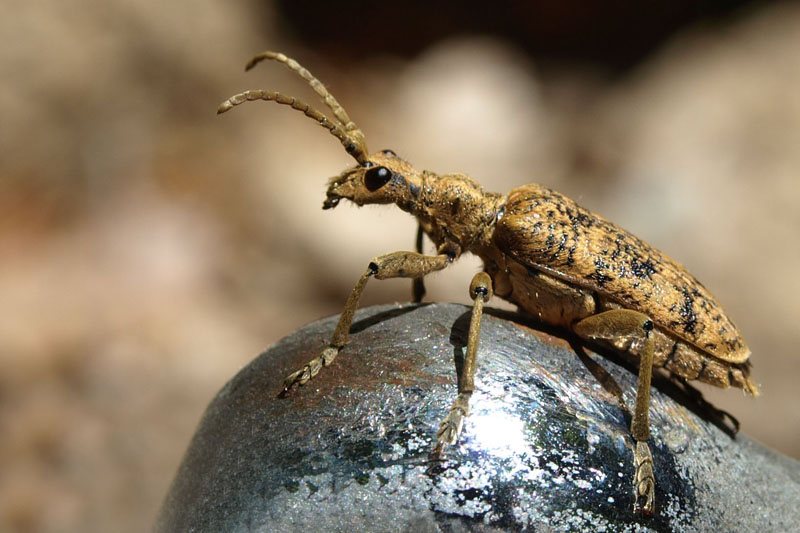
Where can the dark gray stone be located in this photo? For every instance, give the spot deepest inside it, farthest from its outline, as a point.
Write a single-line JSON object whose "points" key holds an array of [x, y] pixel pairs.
{"points": [[546, 447]]}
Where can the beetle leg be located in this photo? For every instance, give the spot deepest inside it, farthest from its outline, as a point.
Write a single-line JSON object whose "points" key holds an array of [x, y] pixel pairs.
{"points": [[480, 290], [418, 284], [624, 322], [393, 265]]}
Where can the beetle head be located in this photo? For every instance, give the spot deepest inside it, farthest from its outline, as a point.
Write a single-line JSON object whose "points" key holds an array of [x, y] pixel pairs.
{"points": [[383, 179]]}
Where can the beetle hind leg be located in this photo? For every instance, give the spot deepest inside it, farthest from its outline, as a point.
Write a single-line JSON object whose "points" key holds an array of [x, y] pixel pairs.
{"points": [[624, 322], [480, 290]]}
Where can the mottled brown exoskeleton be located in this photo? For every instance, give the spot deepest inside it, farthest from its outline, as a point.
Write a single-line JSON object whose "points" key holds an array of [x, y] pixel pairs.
{"points": [[555, 260]]}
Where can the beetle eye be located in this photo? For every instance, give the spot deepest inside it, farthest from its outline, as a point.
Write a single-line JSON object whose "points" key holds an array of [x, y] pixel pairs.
{"points": [[377, 177]]}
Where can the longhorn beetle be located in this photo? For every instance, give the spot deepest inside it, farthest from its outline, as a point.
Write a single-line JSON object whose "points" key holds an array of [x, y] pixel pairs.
{"points": [[541, 251]]}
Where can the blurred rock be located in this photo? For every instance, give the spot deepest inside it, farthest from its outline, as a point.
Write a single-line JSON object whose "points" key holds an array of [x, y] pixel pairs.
{"points": [[544, 448]]}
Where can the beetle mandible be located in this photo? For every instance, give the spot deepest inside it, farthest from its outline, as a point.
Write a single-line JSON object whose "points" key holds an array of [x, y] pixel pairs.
{"points": [[541, 251]]}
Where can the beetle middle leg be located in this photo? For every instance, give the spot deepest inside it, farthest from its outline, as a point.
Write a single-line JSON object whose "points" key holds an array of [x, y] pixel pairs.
{"points": [[418, 285], [480, 290], [393, 265], [625, 322]]}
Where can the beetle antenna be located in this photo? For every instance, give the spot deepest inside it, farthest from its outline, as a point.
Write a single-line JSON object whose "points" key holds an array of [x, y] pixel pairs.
{"points": [[319, 88], [350, 143], [353, 132]]}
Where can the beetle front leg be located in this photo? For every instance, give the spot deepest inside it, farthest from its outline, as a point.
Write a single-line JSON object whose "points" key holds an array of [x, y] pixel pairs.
{"points": [[393, 265], [624, 322], [480, 290]]}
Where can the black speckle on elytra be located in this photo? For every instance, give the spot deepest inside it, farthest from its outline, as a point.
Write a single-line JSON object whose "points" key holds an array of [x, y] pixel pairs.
{"points": [[562, 245], [642, 269], [571, 256], [600, 264], [733, 344], [599, 276], [687, 312]]}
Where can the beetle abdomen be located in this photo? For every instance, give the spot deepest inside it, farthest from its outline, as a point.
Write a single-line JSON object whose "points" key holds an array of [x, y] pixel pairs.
{"points": [[558, 303], [545, 230], [683, 359]]}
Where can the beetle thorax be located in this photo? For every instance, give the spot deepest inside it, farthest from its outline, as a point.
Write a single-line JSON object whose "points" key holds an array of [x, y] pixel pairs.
{"points": [[454, 208]]}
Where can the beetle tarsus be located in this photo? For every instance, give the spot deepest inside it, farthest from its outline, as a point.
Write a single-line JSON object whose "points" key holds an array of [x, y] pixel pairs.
{"points": [[450, 428], [644, 481], [309, 370]]}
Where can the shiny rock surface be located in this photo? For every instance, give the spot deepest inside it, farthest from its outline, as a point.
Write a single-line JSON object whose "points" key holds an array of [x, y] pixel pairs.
{"points": [[545, 448]]}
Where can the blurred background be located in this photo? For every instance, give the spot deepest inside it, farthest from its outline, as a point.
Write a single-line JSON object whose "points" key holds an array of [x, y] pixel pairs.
{"points": [[149, 249]]}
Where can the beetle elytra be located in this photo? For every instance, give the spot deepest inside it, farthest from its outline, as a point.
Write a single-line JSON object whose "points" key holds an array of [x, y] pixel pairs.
{"points": [[552, 258]]}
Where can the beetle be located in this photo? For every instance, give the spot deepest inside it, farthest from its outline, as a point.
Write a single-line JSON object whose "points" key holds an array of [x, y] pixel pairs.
{"points": [[555, 260]]}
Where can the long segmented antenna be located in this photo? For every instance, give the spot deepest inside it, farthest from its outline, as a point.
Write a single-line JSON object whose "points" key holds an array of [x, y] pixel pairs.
{"points": [[319, 88], [351, 137], [280, 98]]}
